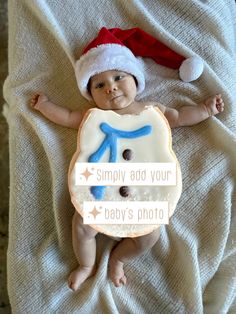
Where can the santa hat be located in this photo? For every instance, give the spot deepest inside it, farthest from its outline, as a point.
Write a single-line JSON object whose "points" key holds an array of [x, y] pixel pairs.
{"points": [[117, 49]]}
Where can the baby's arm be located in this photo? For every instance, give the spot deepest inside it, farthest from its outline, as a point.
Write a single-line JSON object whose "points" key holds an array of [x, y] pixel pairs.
{"points": [[190, 115], [55, 113]]}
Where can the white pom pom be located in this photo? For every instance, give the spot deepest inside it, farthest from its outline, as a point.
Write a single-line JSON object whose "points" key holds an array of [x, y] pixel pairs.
{"points": [[191, 69]]}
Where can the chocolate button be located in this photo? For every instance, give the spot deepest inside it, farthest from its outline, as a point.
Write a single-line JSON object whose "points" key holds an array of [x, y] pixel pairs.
{"points": [[128, 154], [124, 191]]}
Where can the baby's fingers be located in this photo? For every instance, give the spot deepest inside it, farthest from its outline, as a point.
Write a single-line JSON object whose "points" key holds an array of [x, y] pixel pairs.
{"points": [[34, 100], [220, 106]]}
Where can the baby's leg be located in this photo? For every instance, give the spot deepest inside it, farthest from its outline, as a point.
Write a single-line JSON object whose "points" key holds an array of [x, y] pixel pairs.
{"points": [[84, 245], [126, 250]]}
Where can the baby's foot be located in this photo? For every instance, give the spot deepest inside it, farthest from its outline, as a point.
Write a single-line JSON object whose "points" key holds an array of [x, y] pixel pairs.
{"points": [[37, 100], [214, 105], [79, 275], [116, 272]]}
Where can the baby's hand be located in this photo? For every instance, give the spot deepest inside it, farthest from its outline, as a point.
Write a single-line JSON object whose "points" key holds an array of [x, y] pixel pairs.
{"points": [[38, 100], [214, 105]]}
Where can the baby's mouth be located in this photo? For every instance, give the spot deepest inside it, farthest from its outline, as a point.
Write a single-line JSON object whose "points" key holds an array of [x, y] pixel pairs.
{"points": [[115, 97]]}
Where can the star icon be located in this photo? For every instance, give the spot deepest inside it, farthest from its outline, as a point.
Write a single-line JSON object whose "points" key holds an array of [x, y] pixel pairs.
{"points": [[86, 174], [94, 212]]}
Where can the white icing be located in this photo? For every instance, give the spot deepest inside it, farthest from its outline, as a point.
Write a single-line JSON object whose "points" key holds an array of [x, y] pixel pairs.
{"points": [[150, 148]]}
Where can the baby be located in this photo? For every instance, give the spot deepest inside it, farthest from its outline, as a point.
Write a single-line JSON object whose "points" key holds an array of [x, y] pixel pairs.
{"points": [[110, 87], [116, 90]]}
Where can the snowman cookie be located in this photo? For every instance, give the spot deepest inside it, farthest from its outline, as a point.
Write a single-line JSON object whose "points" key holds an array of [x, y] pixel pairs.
{"points": [[139, 138]]}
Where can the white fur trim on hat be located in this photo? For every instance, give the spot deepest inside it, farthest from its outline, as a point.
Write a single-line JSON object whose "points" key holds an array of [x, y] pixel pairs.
{"points": [[191, 69], [104, 58]]}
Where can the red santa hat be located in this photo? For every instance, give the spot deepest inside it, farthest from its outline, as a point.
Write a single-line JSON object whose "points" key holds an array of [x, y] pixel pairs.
{"points": [[117, 49]]}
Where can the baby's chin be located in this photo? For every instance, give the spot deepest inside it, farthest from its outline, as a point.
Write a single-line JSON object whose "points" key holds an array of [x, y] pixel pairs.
{"points": [[114, 107]]}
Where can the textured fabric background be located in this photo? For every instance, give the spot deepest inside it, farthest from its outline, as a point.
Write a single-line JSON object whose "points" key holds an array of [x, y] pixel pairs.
{"points": [[192, 267]]}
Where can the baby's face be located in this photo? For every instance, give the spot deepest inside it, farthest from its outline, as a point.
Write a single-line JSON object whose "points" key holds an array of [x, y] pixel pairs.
{"points": [[113, 90]]}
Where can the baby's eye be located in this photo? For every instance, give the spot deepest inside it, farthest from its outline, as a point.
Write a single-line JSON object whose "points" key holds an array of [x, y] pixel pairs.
{"points": [[118, 77], [99, 85]]}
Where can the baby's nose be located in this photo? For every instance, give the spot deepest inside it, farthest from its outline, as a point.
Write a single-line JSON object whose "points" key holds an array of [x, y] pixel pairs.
{"points": [[111, 89]]}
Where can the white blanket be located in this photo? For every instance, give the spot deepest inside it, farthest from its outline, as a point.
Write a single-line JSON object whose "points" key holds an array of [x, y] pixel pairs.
{"points": [[192, 268]]}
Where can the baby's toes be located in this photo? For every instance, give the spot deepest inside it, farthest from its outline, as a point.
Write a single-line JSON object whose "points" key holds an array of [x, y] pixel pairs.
{"points": [[123, 280], [120, 281], [71, 285]]}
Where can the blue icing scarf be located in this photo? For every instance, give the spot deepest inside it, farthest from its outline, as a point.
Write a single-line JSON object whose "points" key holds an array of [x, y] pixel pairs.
{"points": [[110, 141]]}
